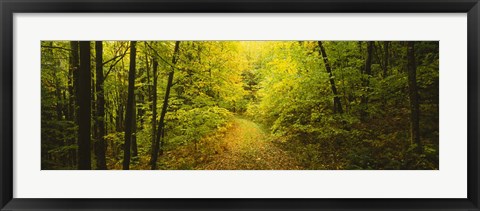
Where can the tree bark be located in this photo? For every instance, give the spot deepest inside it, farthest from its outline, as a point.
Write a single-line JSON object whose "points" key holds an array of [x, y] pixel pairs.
{"points": [[84, 124], [129, 112], [385, 60], [366, 80], [368, 62], [72, 67], [100, 146], [414, 98], [337, 105], [73, 101], [149, 88], [134, 129], [161, 124], [154, 103], [93, 107]]}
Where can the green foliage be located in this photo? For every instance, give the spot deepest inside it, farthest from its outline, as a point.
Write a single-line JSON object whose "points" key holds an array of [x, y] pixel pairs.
{"points": [[193, 124], [283, 86], [296, 102]]}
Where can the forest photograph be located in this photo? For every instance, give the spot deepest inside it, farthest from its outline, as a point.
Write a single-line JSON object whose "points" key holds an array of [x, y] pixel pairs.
{"points": [[239, 105]]}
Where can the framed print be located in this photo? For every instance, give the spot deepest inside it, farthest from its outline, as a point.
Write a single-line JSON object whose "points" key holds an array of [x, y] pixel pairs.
{"points": [[261, 105]]}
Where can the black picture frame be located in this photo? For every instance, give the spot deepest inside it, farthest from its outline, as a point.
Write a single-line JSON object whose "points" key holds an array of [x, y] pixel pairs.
{"points": [[9, 7]]}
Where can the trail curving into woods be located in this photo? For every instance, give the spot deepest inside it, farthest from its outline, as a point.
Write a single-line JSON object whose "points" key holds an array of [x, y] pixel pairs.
{"points": [[248, 147], [185, 105]]}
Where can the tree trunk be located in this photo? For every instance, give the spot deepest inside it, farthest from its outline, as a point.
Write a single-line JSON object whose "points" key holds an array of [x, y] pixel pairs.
{"points": [[75, 66], [134, 129], [100, 146], [161, 124], [120, 116], [56, 80], [129, 112], [162, 141], [368, 62], [337, 105], [93, 107], [84, 88], [149, 88], [154, 103], [413, 93], [72, 67], [366, 80], [385, 60]]}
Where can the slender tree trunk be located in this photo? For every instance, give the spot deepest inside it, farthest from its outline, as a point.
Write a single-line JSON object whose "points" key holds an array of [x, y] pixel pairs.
{"points": [[345, 95], [100, 146], [71, 93], [149, 88], [56, 80], [75, 65], [337, 105], [120, 116], [58, 97], [368, 62], [377, 57], [154, 104], [65, 103], [76, 70], [161, 124], [366, 81], [386, 58], [134, 129], [385, 66], [84, 82], [147, 94], [162, 141], [413, 93], [93, 107], [129, 112]]}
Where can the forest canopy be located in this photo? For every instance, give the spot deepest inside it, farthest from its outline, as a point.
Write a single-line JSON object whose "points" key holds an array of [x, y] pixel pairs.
{"points": [[239, 105]]}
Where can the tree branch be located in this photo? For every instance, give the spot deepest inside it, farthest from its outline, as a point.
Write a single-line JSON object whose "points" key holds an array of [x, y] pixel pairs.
{"points": [[115, 63], [55, 47], [115, 57], [158, 55]]}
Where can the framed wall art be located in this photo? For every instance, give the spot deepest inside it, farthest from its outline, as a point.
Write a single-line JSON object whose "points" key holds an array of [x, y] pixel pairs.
{"points": [[254, 105]]}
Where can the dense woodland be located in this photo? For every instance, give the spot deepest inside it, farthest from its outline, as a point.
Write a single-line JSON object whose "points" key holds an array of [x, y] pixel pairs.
{"points": [[239, 105]]}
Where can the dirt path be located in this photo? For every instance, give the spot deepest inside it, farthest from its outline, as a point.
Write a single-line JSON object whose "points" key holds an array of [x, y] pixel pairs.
{"points": [[247, 147]]}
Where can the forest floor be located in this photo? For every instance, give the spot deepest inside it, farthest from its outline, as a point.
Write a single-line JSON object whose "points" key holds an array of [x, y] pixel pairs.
{"points": [[248, 147]]}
